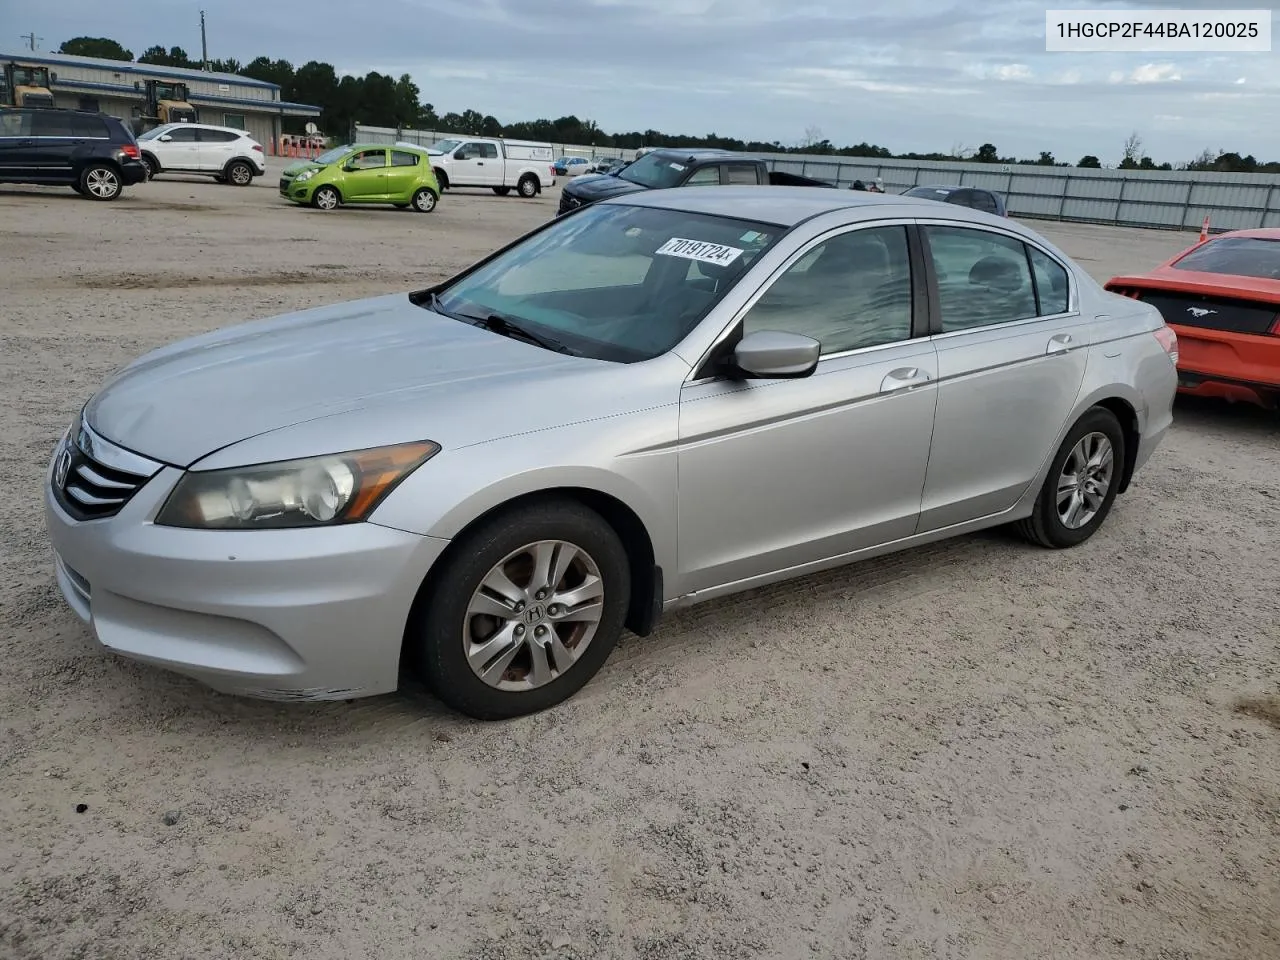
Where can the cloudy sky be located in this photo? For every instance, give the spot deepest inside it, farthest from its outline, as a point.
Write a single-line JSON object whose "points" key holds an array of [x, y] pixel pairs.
{"points": [[906, 74]]}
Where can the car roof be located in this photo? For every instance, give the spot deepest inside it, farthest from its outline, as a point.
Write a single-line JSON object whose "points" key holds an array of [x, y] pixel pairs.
{"points": [[206, 126], [700, 153], [944, 186], [788, 206]]}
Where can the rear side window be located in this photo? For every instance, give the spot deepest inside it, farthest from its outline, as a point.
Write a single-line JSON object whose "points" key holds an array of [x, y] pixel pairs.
{"points": [[742, 173], [51, 125], [401, 159], [981, 200], [218, 136], [91, 127], [983, 278], [1051, 283]]}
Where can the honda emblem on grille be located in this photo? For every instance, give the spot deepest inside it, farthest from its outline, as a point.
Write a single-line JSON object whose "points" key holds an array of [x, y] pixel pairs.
{"points": [[1199, 311], [61, 467]]}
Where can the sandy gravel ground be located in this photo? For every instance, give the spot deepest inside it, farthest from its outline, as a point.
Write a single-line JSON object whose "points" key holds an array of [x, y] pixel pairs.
{"points": [[974, 750]]}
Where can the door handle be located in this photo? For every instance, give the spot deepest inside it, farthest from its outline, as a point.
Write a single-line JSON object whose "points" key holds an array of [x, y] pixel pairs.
{"points": [[903, 379], [1059, 343]]}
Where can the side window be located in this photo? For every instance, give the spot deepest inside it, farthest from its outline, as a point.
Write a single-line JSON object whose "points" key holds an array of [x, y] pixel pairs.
{"points": [[89, 127], [741, 173], [370, 159], [707, 176], [51, 124], [217, 136], [15, 123], [233, 120], [1051, 284], [983, 201], [853, 290], [89, 104], [489, 151], [184, 135], [401, 159], [983, 278]]}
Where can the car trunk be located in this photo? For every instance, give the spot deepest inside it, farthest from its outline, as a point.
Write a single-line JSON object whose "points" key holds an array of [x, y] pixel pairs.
{"points": [[1207, 310]]}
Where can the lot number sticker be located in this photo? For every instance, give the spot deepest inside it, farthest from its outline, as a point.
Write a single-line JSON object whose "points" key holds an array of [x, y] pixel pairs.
{"points": [[716, 253]]}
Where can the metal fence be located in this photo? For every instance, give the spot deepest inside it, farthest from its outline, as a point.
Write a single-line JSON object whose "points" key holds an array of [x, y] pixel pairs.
{"points": [[1171, 200]]}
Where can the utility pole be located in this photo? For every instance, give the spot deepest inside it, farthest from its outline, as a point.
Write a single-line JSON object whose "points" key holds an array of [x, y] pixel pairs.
{"points": [[204, 45], [31, 39]]}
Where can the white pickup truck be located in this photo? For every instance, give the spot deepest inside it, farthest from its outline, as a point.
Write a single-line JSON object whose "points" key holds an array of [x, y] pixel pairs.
{"points": [[502, 165]]}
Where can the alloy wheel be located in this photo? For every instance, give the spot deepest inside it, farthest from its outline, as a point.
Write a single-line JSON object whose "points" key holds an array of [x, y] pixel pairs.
{"points": [[533, 615], [1085, 480], [102, 183]]}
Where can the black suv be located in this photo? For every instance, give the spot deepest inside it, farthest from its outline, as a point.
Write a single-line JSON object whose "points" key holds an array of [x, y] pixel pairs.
{"points": [[92, 153]]}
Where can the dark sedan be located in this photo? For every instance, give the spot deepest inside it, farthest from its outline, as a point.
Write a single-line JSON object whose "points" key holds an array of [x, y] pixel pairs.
{"points": [[977, 198]]}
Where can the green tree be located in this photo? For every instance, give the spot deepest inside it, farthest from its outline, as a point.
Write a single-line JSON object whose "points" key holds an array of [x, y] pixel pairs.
{"points": [[1090, 161], [1046, 159], [102, 47], [173, 57], [987, 153]]}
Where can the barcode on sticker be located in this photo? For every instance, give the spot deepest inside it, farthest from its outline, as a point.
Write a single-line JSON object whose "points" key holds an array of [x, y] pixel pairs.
{"points": [[716, 253]]}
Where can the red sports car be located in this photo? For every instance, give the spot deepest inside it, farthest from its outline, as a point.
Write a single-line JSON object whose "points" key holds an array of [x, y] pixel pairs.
{"points": [[1222, 299]]}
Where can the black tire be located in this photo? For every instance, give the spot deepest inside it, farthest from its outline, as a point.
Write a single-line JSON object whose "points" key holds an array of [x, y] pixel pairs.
{"points": [[528, 186], [436, 638], [331, 198], [442, 178], [238, 173], [78, 189], [101, 181], [424, 200], [151, 164], [502, 191], [1046, 526]]}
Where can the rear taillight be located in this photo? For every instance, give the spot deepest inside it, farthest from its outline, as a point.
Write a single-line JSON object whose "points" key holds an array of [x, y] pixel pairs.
{"points": [[1169, 341], [258, 147], [131, 150]]}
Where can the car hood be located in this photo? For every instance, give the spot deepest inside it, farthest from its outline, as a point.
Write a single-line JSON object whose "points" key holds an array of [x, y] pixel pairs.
{"points": [[184, 401], [600, 186], [293, 169]]}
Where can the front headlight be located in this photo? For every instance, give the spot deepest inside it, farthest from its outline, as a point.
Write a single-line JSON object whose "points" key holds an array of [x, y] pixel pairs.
{"points": [[305, 175], [317, 491]]}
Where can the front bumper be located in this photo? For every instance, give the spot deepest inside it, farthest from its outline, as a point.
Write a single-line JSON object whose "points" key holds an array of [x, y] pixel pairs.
{"points": [[283, 614]]}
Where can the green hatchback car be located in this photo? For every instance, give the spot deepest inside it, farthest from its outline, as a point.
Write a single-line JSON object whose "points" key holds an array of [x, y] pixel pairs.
{"points": [[400, 175]]}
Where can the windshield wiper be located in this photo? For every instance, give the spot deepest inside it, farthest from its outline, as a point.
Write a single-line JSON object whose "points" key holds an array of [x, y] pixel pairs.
{"points": [[507, 327]]}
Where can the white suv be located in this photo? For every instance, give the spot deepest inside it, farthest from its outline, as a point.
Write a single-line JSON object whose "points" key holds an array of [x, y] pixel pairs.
{"points": [[224, 153]]}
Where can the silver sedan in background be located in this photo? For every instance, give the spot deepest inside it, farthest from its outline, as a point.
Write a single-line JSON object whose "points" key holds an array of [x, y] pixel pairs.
{"points": [[653, 401]]}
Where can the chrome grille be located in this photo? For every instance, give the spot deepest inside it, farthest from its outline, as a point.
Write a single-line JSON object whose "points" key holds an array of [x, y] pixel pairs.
{"points": [[568, 203], [93, 479]]}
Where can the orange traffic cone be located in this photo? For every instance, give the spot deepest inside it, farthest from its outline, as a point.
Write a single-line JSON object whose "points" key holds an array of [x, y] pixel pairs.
{"points": [[1204, 230]]}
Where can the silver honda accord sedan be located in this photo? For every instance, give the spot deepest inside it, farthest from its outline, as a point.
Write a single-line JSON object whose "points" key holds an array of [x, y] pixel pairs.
{"points": [[650, 402]]}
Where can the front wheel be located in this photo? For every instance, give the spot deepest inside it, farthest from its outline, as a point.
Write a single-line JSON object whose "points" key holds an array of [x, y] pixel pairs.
{"points": [[240, 174], [151, 165], [424, 201], [524, 612], [101, 182], [325, 198], [528, 186], [1082, 484]]}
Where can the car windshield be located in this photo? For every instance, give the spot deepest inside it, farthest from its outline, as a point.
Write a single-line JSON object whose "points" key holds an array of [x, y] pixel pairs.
{"points": [[334, 155], [614, 281], [655, 171], [444, 146], [1235, 256]]}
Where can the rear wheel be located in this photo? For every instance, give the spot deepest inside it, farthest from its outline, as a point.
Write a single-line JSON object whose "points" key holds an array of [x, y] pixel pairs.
{"points": [[1082, 484], [424, 201], [528, 186], [524, 612], [240, 173], [99, 181], [325, 198]]}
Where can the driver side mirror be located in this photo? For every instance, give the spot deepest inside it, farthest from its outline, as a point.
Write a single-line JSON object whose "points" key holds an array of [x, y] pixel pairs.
{"points": [[776, 355], [164, 138]]}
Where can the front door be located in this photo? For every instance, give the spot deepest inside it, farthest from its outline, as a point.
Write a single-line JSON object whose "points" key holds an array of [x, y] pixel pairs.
{"points": [[778, 473], [179, 149], [476, 164], [1011, 359], [365, 176]]}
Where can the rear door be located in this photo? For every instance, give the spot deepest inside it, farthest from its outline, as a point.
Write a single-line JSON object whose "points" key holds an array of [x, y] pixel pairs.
{"points": [[17, 148], [403, 175], [1012, 347], [55, 145], [217, 149]]}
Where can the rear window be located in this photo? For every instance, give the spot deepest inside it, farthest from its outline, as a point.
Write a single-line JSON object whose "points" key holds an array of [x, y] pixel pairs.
{"points": [[931, 193], [1235, 256]]}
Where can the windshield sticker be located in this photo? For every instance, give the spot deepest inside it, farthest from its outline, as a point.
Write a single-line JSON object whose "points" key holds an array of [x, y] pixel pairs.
{"points": [[676, 166], [701, 250], [752, 237]]}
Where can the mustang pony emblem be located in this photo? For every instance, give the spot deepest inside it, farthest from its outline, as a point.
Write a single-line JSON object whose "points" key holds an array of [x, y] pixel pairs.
{"points": [[1199, 311]]}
